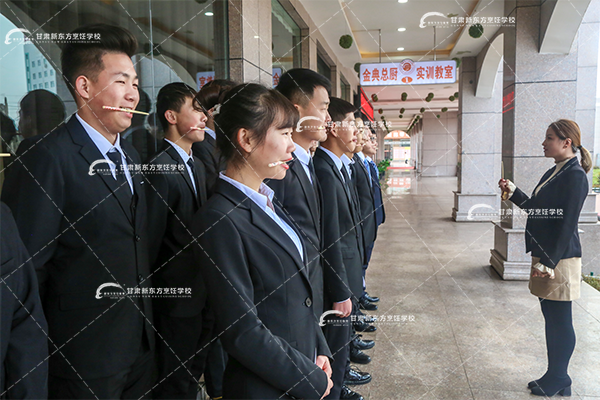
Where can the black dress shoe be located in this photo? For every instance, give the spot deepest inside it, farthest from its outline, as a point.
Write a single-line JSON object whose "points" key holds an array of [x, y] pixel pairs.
{"points": [[372, 299], [356, 377], [358, 357], [366, 304], [348, 393], [359, 343], [362, 326]]}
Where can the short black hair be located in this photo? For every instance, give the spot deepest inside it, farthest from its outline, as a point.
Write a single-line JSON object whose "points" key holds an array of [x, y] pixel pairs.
{"points": [[253, 107], [86, 58], [299, 85], [171, 97], [210, 94], [338, 109]]}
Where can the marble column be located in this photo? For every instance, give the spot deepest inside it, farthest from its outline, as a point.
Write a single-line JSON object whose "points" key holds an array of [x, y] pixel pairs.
{"points": [[250, 55], [537, 90], [439, 144], [479, 148]]}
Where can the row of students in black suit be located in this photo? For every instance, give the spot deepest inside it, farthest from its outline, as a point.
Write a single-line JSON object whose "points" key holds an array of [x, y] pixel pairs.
{"points": [[263, 263]]}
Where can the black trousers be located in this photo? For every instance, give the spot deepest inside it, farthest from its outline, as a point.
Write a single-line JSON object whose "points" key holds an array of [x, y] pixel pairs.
{"points": [[215, 368], [338, 333], [181, 350], [134, 382]]}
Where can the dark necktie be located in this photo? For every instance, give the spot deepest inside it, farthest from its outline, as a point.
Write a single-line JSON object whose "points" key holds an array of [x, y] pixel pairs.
{"points": [[190, 162], [311, 168], [123, 185]]}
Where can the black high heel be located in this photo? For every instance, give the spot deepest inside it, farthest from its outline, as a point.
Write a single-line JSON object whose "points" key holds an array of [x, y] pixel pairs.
{"points": [[538, 391]]}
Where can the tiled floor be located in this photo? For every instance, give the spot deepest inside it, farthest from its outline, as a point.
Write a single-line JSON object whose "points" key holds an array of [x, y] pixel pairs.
{"points": [[453, 329]]}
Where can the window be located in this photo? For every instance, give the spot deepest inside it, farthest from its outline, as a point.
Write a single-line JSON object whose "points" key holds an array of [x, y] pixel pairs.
{"points": [[322, 67], [177, 39], [346, 91], [35, 86], [286, 35]]}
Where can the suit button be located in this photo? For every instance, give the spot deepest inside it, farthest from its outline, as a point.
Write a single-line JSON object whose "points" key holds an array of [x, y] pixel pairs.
{"points": [[137, 238], [140, 278], [308, 302]]}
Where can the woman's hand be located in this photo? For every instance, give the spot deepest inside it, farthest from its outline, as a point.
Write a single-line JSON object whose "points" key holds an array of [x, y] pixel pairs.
{"points": [[503, 185], [536, 273]]}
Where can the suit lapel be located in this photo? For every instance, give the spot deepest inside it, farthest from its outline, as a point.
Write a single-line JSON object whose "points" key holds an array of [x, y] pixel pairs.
{"points": [[90, 152], [338, 174], [181, 169], [276, 233], [309, 190]]}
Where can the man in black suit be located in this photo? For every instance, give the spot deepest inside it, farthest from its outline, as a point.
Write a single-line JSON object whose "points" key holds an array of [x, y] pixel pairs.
{"points": [[370, 149], [366, 207], [176, 190], [23, 327], [299, 193], [341, 238], [82, 215], [206, 150]]}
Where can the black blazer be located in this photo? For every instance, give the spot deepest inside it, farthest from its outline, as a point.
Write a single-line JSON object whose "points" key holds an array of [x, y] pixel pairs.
{"points": [[81, 234], [301, 201], [260, 292], [553, 238], [172, 204], [377, 197], [23, 327], [210, 155], [342, 241], [365, 201]]}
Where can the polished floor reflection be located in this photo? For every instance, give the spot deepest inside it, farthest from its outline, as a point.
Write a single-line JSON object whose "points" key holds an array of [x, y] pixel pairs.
{"points": [[449, 327]]}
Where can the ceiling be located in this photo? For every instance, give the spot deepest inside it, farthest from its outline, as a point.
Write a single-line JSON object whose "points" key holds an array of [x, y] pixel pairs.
{"points": [[364, 18]]}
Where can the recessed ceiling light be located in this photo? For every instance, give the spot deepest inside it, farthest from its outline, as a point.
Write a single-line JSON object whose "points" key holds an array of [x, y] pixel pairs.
{"points": [[402, 1], [400, 48], [401, 29], [208, 14], [256, 37]]}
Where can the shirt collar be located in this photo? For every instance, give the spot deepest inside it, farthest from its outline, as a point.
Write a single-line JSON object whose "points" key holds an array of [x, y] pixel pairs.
{"points": [[346, 160], [185, 157], [210, 132], [369, 159], [361, 155], [336, 159], [302, 154], [100, 141], [262, 198]]}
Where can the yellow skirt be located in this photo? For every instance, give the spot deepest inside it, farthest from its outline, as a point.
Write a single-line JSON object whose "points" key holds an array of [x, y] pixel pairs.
{"points": [[566, 284]]}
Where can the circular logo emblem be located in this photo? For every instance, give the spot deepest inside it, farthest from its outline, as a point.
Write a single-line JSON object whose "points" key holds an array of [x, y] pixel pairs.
{"points": [[407, 66]]}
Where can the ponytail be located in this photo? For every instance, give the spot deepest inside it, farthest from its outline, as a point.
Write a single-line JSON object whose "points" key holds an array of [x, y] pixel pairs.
{"points": [[586, 159]]}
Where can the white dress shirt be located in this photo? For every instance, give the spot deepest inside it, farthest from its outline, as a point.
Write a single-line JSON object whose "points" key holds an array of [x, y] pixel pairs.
{"points": [[304, 158], [104, 146], [337, 161], [185, 157]]}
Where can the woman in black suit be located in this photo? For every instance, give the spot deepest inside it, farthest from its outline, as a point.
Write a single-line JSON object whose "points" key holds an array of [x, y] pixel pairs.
{"points": [[552, 237], [254, 262]]}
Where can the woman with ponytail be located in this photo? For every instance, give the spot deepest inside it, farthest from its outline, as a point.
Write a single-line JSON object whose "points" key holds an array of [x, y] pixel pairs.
{"points": [[551, 234]]}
